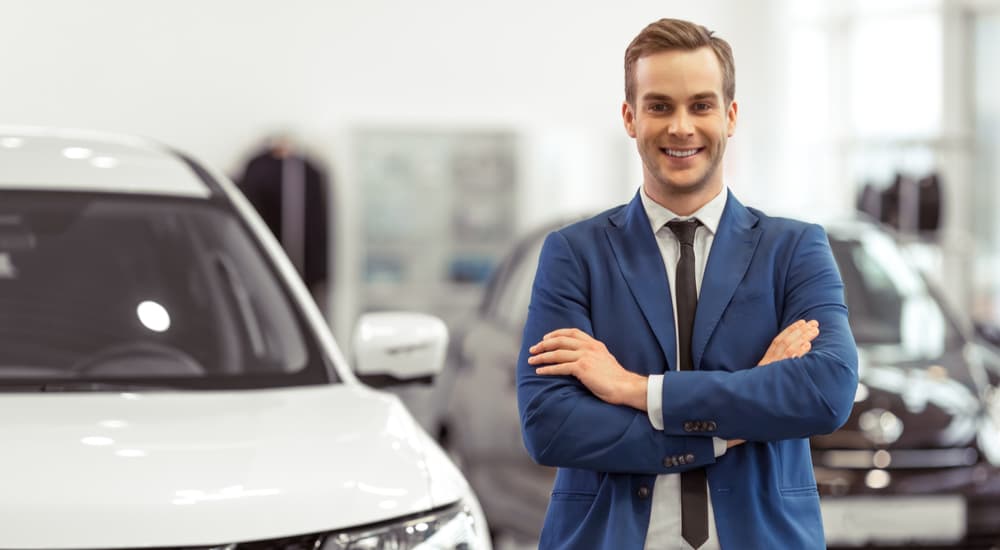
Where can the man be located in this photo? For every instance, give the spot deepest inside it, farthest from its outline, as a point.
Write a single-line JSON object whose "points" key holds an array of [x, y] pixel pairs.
{"points": [[664, 333]]}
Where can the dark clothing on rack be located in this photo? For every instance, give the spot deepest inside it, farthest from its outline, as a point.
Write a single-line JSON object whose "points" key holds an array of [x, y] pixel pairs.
{"points": [[267, 182]]}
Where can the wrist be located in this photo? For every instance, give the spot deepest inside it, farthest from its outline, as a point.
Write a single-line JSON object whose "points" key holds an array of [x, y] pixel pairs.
{"points": [[634, 392]]}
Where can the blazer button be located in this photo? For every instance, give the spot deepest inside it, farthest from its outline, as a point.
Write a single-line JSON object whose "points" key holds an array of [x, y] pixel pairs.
{"points": [[643, 492], [711, 426], [682, 460], [669, 461], [689, 458], [689, 426]]}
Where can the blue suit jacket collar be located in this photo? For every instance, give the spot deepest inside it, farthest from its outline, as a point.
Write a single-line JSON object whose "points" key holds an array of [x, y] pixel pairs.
{"points": [[642, 267]]}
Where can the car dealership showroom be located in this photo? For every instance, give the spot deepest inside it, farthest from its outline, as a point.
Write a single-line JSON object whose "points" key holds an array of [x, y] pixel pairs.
{"points": [[387, 275]]}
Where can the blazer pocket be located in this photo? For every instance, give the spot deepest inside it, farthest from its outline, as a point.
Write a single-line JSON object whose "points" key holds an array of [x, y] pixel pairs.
{"points": [[804, 491], [573, 495], [566, 518]]}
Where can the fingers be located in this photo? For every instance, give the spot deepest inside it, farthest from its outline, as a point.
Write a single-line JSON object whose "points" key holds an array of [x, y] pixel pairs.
{"points": [[551, 357], [734, 442], [794, 341], [790, 339], [803, 349], [562, 368], [556, 342], [574, 333]]}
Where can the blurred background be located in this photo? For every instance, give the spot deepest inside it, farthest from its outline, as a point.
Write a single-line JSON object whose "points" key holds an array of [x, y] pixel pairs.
{"points": [[444, 131], [482, 114]]}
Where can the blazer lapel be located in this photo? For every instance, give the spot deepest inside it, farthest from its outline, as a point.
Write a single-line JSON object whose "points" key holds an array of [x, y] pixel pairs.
{"points": [[641, 265], [732, 249]]}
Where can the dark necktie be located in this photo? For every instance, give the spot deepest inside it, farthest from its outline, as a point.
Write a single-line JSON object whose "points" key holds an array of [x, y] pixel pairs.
{"points": [[694, 497]]}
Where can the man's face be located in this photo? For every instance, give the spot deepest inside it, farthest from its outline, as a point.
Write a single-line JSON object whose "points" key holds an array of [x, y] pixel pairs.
{"points": [[680, 122]]}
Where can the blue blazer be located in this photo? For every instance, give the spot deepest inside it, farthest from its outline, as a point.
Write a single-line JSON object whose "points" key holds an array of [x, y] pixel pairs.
{"points": [[605, 276]]}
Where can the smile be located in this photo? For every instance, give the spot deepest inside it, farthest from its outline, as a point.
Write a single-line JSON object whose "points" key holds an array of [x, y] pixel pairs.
{"points": [[682, 153]]}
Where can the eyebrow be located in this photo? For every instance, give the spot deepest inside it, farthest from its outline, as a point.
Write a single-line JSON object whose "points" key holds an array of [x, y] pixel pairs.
{"points": [[653, 96], [705, 95]]}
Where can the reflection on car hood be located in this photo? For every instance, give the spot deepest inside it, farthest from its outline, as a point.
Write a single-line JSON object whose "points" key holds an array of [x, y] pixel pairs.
{"points": [[908, 407], [191, 468]]}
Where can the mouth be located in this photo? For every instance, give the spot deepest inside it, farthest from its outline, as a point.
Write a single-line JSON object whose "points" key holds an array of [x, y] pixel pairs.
{"points": [[681, 153]]}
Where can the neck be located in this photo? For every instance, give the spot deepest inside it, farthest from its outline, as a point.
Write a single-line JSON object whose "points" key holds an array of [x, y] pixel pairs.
{"points": [[682, 204]]}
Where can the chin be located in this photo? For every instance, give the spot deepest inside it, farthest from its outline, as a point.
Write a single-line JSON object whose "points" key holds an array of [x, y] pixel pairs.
{"points": [[687, 188]]}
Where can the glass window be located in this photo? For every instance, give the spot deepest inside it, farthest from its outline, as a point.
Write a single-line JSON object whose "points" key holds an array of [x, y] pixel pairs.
{"points": [[510, 303], [893, 314], [896, 74], [105, 287]]}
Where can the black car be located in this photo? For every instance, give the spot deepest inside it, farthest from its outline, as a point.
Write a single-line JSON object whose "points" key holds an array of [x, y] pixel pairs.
{"points": [[918, 462]]}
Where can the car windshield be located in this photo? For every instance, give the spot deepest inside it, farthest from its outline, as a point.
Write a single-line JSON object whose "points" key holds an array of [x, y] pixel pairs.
{"points": [[107, 291], [894, 316]]}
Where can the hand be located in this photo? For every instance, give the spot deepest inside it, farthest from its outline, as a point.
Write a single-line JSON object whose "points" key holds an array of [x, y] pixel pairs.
{"points": [[571, 351], [794, 341]]}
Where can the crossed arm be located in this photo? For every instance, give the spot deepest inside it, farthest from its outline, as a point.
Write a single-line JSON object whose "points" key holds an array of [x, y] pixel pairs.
{"points": [[570, 351], [580, 408]]}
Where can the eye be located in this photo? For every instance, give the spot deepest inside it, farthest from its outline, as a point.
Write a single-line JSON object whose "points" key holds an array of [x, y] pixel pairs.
{"points": [[658, 108], [702, 107]]}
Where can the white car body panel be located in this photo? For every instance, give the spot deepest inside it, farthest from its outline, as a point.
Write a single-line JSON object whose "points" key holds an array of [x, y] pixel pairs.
{"points": [[200, 468], [85, 161], [105, 470]]}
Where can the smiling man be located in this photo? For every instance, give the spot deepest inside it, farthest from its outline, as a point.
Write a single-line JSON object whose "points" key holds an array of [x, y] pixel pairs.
{"points": [[672, 365]]}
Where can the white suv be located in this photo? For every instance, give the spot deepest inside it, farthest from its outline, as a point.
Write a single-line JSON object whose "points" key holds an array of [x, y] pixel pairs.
{"points": [[166, 380]]}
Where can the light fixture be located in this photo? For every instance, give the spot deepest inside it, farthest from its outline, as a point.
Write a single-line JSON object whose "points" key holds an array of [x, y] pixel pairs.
{"points": [[77, 153], [877, 479], [881, 458], [153, 316], [104, 162], [130, 453], [97, 441], [11, 142], [861, 394]]}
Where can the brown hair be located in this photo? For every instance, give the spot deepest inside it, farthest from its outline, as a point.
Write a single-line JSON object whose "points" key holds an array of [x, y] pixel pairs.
{"points": [[675, 34]]}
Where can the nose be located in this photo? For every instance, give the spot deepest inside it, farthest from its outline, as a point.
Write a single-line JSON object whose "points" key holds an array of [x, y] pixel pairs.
{"points": [[680, 124]]}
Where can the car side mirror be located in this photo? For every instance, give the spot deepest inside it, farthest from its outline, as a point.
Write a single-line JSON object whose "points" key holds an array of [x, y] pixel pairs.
{"points": [[398, 347]]}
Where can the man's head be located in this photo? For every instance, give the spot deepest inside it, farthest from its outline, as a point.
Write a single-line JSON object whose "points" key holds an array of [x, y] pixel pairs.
{"points": [[675, 34], [679, 107]]}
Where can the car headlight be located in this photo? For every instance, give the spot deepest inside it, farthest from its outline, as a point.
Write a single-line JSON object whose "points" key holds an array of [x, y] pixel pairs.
{"points": [[453, 527]]}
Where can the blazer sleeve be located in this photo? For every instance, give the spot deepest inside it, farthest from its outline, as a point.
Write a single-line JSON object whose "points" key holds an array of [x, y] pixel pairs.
{"points": [[792, 398], [563, 424]]}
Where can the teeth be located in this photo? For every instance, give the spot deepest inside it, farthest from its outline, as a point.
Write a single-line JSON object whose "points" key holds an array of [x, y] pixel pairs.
{"points": [[681, 153]]}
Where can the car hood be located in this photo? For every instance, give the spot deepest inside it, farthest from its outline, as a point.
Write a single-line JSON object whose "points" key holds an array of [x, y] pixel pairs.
{"points": [[908, 406], [105, 470]]}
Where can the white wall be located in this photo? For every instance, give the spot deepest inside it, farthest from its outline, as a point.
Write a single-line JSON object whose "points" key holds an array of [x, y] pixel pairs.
{"points": [[212, 76]]}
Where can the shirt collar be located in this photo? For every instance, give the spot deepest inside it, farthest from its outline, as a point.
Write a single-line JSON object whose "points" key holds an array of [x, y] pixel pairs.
{"points": [[709, 215]]}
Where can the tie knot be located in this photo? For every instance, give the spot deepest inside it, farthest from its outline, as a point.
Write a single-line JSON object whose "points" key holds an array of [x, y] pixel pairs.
{"points": [[684, 230]]}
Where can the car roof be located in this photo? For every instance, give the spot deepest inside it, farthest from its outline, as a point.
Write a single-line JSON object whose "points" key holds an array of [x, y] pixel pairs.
{"points": [[50, 159]]}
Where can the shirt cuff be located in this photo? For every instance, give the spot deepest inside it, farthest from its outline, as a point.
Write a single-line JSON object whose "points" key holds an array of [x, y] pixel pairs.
{"points": [[720, 446], [654, 403]]}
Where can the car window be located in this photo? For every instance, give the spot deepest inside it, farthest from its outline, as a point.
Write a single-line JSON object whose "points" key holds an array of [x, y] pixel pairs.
{"points": [[510, 302], [111, 287], [893, 314]]}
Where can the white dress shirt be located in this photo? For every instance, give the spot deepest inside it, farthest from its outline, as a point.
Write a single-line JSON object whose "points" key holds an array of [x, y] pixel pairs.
{"points": [[664, 530]]}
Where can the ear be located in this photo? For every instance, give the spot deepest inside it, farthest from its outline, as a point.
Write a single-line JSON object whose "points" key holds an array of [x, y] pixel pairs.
{"points": [[731, 118], [628, 117]]}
